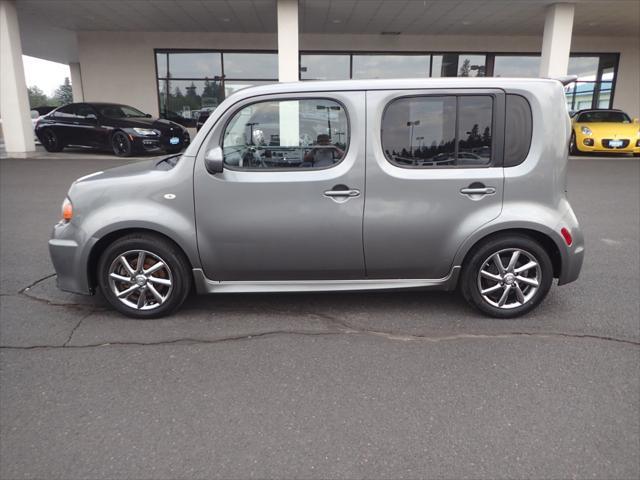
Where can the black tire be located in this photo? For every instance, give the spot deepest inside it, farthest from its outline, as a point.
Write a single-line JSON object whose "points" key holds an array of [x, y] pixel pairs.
{"points": [[504, 245], [50, 140], [177, 271], [573, 148], [121, 145]]}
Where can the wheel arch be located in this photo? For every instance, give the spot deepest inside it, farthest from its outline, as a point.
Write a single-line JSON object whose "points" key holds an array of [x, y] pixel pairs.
{"points": [[99, 247], [549, 245]]}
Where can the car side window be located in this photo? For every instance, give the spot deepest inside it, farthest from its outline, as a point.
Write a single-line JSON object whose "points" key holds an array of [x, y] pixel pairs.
{"points": [[286, 134], [439, 131], [66, 112], [83, 111]]}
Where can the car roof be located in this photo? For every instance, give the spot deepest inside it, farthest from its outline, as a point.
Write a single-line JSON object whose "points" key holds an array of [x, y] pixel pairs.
{"points": [[393, 84]]}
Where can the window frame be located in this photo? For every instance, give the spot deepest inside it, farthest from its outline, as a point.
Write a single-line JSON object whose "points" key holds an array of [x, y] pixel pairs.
{"points": [[497, 126], [232, 111]]}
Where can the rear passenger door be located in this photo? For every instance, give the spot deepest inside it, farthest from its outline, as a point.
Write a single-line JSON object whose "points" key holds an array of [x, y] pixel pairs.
{"points": [[434, 175]]}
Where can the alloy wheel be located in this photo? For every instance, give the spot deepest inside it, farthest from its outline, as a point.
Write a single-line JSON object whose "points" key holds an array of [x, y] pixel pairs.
{"points": [[509, 278], [119, 142], [140, 279], [49, 138]]}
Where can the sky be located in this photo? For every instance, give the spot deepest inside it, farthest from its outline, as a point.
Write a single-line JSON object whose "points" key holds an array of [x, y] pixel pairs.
{"points": [[44, 74]]}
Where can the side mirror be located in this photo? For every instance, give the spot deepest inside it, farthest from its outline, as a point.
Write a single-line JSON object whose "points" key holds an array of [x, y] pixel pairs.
{"points": [[214, 161], [92, 117], [635, 120], [147, 115]]}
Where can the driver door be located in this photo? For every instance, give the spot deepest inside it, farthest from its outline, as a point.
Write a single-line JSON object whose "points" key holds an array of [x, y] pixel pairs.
{"points": [[273, 213]]}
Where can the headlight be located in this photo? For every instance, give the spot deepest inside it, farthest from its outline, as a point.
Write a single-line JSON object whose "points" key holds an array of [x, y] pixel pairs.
{"points": [[67, 210], [146, 132], [586, 131]]}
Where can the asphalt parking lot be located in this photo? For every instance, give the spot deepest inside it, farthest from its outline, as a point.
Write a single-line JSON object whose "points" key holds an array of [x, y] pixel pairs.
{"points": [[348, 385]]}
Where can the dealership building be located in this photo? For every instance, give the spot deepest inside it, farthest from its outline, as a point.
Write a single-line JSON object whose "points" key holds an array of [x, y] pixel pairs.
{"points": [[173, 58]]}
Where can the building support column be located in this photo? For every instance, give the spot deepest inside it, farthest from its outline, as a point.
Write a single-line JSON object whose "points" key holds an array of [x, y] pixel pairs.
{"points": [[556, 40], [76, 82], [17, 129], [288, 54]]}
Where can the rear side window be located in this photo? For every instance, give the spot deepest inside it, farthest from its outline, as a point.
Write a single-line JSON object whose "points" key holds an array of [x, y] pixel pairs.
{"points": [[518, 130], [439, 131], [286, 134]]}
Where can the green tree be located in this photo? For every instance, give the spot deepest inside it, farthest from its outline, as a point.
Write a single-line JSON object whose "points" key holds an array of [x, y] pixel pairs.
{"points": [[63, 93], [37, 98], [465, 69], [486, 136]]}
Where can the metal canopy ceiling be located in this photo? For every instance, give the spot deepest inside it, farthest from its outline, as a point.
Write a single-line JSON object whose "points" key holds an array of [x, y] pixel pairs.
{"points": [[417, 17]]}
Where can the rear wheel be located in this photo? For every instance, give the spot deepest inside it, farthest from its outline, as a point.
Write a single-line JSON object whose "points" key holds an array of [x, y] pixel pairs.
{"points": [[144, 276], [507, 276], [121, 144], [50, 140]]}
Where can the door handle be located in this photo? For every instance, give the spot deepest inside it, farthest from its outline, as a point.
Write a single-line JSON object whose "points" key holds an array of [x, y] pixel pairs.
{"points": [[478, 191], [342, 193]]}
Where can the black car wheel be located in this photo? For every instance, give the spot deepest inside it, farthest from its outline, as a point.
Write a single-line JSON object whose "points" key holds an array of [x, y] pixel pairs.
{"points": [[507, 276], [144, 276], [121, 144], [573, 149], [50, 140]]}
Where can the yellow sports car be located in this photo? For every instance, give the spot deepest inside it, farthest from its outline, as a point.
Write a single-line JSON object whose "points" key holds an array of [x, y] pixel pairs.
{"points": [[610, 131]]}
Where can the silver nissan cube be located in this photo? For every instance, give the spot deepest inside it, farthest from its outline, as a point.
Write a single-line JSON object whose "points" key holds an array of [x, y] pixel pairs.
{"points": [[347, 185]]}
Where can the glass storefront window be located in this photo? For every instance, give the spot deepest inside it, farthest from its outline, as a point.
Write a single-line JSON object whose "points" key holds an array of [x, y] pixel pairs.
{"points": [[192, 81], [471, 65], [188, 81], [195, 65], [161, 62], [516, 66], [586, 68], [391, 66], [251, 65], [325, 67], [187, 95], [444, 65]]}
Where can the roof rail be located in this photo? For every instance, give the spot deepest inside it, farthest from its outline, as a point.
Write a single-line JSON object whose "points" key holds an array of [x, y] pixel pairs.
{"points": [[566, 79]]}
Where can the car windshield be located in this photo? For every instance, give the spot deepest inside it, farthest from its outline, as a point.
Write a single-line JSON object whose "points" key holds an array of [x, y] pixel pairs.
{"points": [[604, 116], [120, 111]]}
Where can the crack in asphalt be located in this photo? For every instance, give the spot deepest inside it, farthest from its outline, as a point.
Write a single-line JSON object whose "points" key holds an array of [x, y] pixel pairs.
{"points": [[73, 330], [335, 326], [376, 333], [33, 284]]}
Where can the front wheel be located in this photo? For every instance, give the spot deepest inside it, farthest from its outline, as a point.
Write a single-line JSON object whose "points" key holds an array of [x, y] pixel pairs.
{"points": [[573, 148], [121, 144], [144, 276], [507, 276]]}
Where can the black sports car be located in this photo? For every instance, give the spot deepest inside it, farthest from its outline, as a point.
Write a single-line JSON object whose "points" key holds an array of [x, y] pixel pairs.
{"points": [[123, 129]]}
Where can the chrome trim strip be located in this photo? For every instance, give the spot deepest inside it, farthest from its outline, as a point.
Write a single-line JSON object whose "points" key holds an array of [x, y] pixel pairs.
{"points": [[205, 285]]}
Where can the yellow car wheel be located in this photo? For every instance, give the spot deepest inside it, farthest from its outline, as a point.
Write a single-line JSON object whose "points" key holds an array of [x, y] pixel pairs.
{"points": [[573, 148]]}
